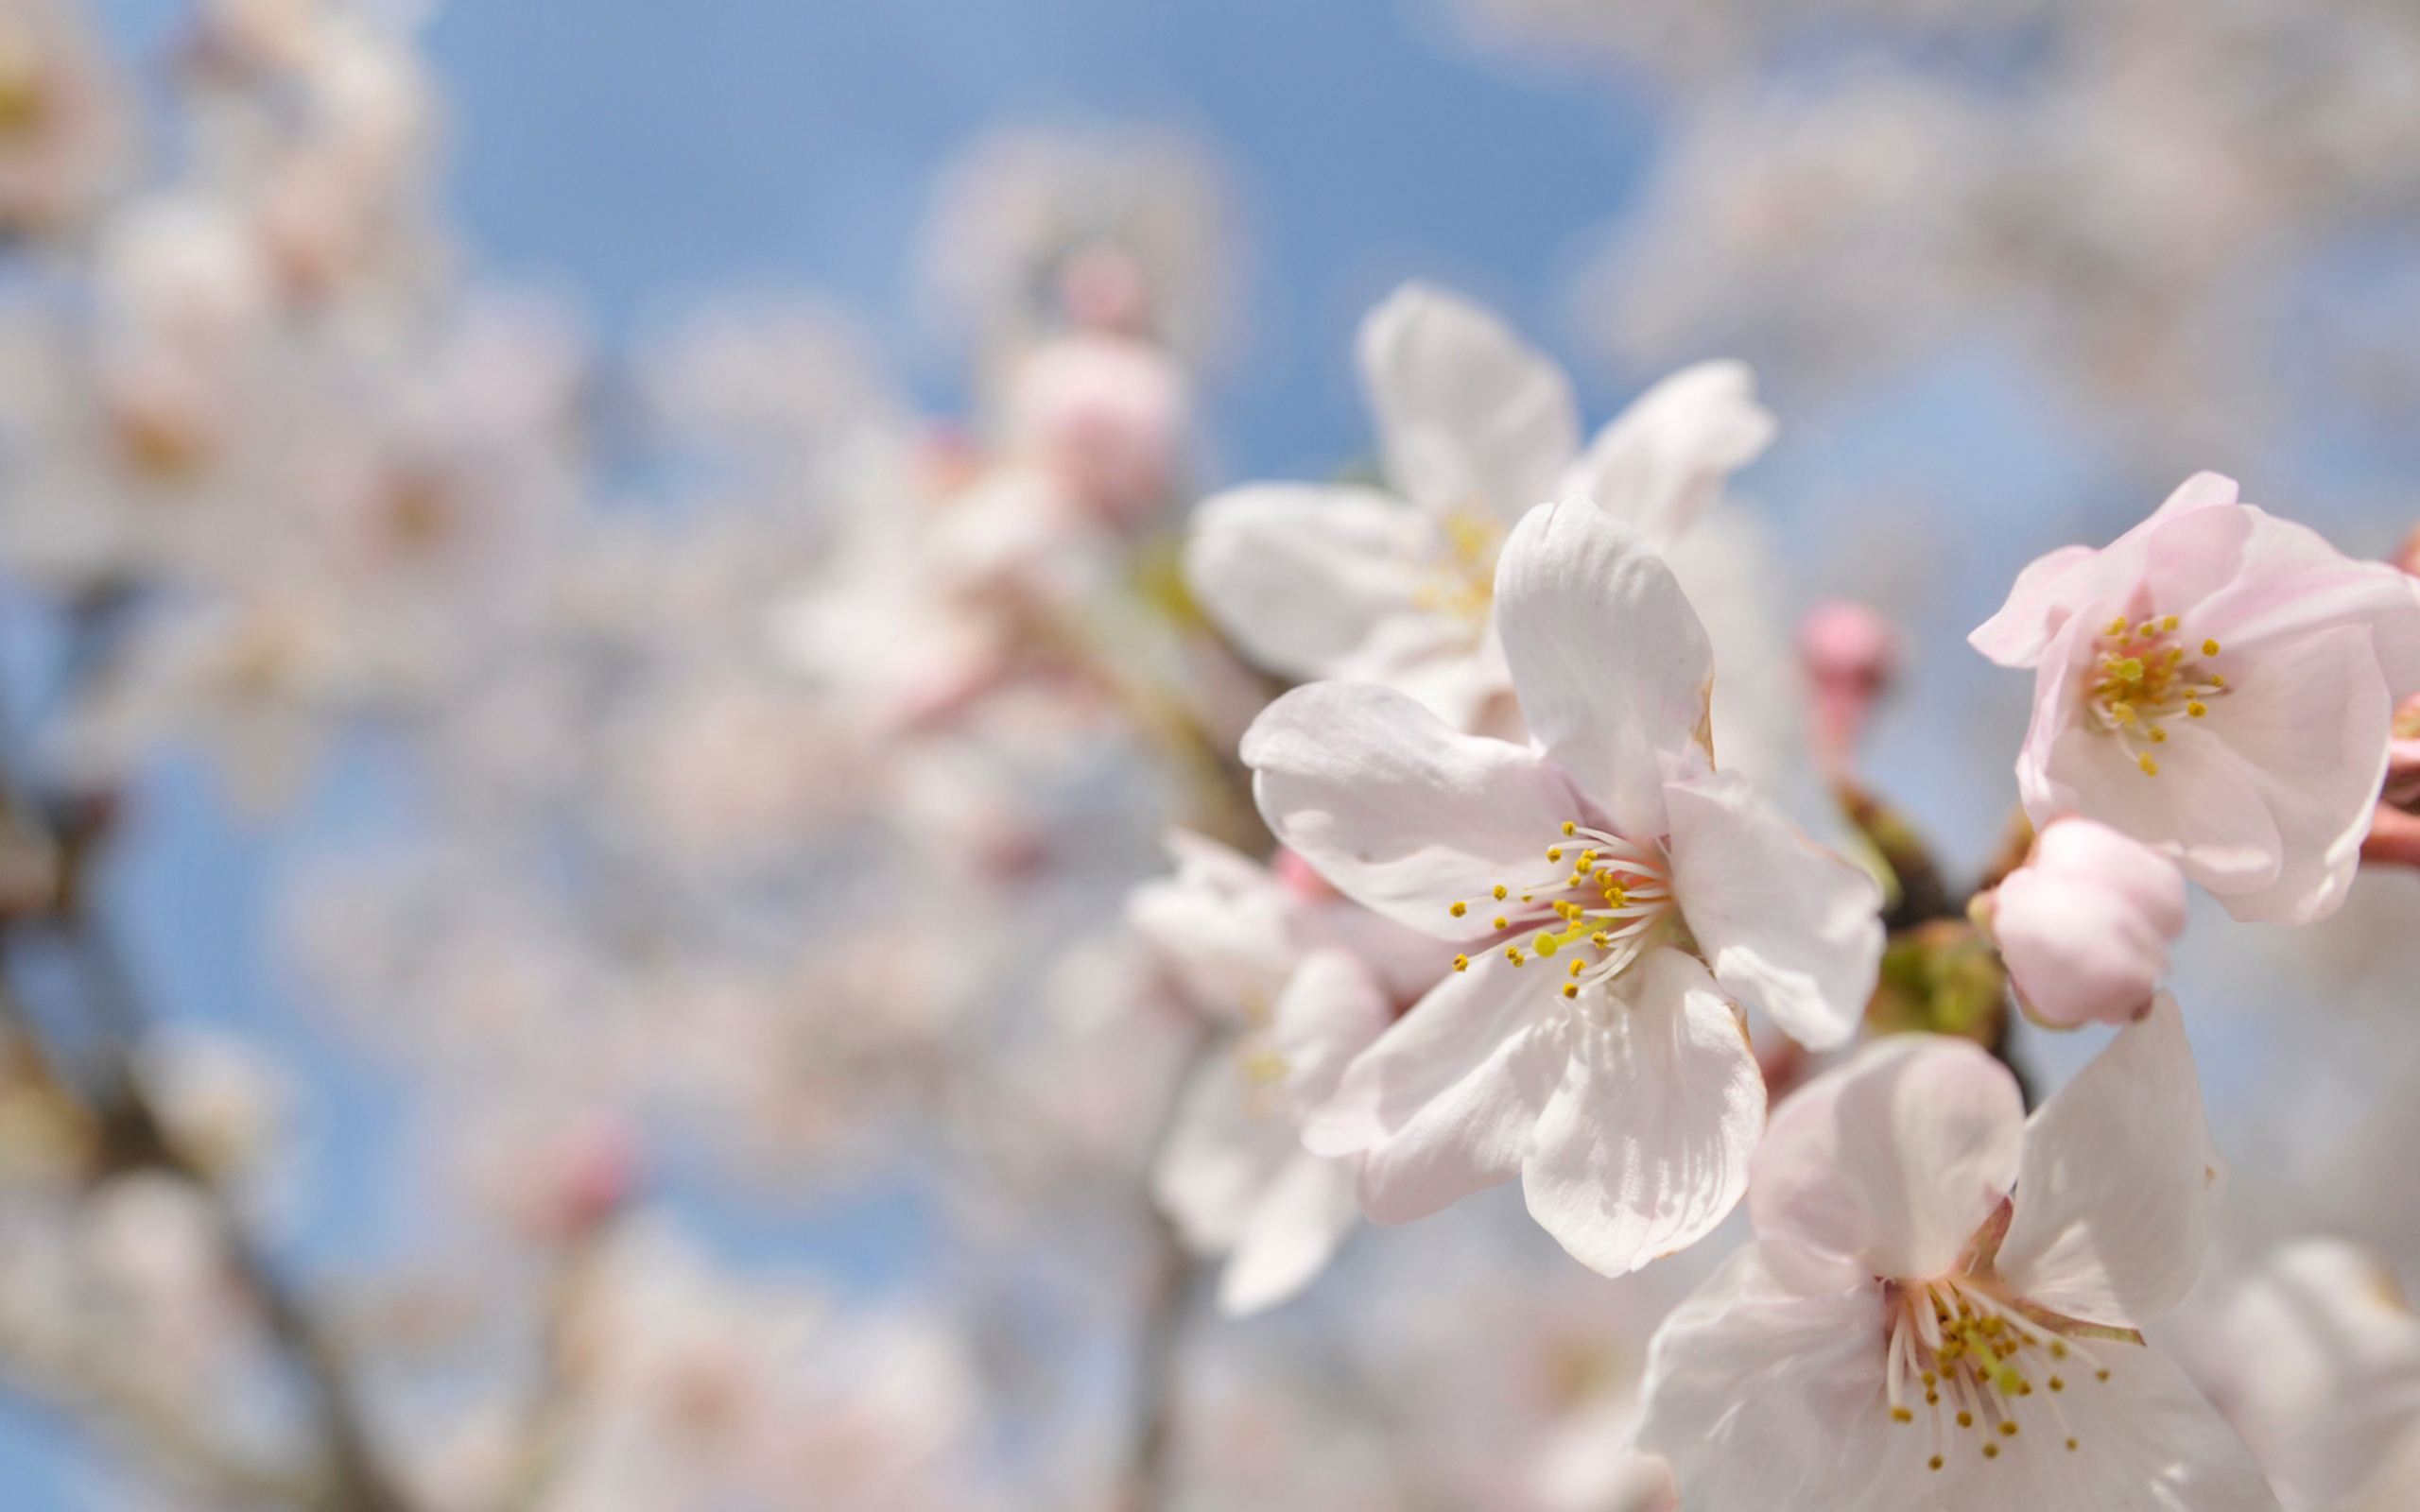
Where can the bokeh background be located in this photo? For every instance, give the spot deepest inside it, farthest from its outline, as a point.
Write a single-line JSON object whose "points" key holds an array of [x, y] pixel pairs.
{"points": [[2008, 272]]}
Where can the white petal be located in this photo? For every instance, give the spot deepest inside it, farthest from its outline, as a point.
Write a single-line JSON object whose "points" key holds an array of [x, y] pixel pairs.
{"points": [[1220, 923], [2293, 581], [1331, 1011], [1644, 1145], [1610, 663], [1295, 1232], [2310, 718], [1447, 1100], [2198, 491], [2146, 1441], [1220, 1160], [2045, 595], [1402, 814], [1764, 1399], [1665, 459], [1786, 924], [2119, 1182], [1894, 1160], [1300, 579], [1467, 415]]}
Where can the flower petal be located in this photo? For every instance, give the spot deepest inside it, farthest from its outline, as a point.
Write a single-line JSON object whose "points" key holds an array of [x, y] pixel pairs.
{"points": [[2144, 1439], [2321, 1358], [1468, 415], [1300, 579], [1219, 1162], [1644, 1145], [1894, 1160], [1609, 659], [2039, 605], [1400, 813], [1221, 923], [1293, 1233], [1665, 459], [1446, 1101], [2119, 1184], [1765, 1398], [1331, 1011], [1786, 924], [2310, 719]]}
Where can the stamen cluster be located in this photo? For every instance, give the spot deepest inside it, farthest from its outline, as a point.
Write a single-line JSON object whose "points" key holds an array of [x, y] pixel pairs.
{"points": [[1611, 901], [2143, 677]]}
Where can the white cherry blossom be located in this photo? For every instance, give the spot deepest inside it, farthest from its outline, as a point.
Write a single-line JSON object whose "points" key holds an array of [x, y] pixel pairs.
{"points": [[2220, 685], [1941, 1309], [1475, 428], [1614, 893]]}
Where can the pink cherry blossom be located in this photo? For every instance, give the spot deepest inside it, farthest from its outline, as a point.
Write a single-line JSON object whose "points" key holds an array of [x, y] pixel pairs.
{"points": [[2218, 684], [2085, 924], [1941, 1304], [1615, 895]]}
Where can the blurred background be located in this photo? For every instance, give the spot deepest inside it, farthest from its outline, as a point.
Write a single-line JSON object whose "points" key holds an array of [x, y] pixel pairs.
{"points": [[592, 646]]}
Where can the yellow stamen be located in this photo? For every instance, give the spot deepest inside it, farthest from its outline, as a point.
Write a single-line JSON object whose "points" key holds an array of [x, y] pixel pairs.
{"points": [[1458, 910], [2209, 647], [1461, 963], [2150, 767]]}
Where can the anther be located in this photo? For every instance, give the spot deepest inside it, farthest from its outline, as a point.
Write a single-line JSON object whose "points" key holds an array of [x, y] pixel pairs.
{"points": [[1569, 828], [1512, 954], [1458, 910], [2058, 1384], [2058, 1350], [1991, 1451], [1577, 966], [2209, 647], [1461, 963], [2008, 1428], [1500, 892], [2157, 735], [2071, 1446], [1933, 1463], [2116, 627], [2150, 767], [1571, 989], [2168, 622], [1901, 1414], [1966, 1420], [1554, 853], [2100, 1375], [1502, 923], [2197, 709]]}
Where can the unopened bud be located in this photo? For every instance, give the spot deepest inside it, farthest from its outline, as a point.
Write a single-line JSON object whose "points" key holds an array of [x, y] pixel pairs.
{"points": [[2085, 924], [1850, 654]]}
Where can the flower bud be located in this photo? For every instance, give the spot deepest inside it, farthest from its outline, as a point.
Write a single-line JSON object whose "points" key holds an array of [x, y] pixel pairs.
{"points": [[2085, 924], [1107, 416], [1849, 653]]}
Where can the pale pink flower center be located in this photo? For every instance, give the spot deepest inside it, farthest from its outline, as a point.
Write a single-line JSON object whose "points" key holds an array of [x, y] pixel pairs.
{"points": [[1601, 914], [2144, 679]]}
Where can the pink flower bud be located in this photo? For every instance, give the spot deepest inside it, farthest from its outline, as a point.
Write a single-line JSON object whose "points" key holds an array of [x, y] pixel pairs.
{"points": [[1849, 653], [2085, 924]]}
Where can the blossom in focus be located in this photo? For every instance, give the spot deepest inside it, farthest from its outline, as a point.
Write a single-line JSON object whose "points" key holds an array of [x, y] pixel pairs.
{"points": [[1615, 892], [1475, 428], [2085, 924], [1299, 982], [2220, 685], [2315, 1357], [1941, 1304]]}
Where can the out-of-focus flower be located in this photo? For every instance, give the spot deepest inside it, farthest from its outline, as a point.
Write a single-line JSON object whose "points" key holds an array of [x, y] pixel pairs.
{"points": [[2315, 1358], [1299, 981], [2220, 685], [1475, 428], [64, 118], [2085, 923], [1619, 1087], [1941, 1305], [1107, 417], [1035, 232]]}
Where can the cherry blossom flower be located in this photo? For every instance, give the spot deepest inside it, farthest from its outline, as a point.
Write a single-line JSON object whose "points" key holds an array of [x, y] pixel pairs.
{"points": [[2218, 685], [1940, 1308], [1615, 892], [1268, 962], [2085, 923], [2315, 1358], [1475, 428]]}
